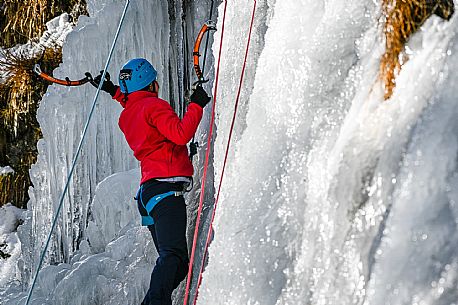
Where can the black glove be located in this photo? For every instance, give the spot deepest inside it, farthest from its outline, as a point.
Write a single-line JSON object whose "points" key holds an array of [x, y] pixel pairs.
{"points": [[193, 149], [200, 97], [107, 85]]}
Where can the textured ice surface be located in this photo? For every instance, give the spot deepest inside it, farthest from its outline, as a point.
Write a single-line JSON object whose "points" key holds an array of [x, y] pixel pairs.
{"points": [[113, 209], [332, 196], [113, 265]]}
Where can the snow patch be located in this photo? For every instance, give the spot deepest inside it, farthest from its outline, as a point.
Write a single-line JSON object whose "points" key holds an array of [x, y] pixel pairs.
{"points": [[6, 170], [10, 246], [56, 32]]}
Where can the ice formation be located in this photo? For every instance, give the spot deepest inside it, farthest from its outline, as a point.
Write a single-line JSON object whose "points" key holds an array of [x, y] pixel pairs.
{"points": [[332, 196]]}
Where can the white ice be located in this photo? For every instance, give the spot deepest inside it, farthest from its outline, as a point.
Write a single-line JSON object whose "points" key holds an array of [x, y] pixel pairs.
{"points": [[333, 196]]}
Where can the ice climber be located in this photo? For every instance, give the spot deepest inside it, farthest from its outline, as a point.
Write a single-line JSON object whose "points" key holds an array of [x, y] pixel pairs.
{"points": [[158, 139]]}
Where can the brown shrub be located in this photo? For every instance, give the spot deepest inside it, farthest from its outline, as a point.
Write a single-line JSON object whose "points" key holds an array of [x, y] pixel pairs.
{"points": [[22, 20], [20, 94], [402, 19]]}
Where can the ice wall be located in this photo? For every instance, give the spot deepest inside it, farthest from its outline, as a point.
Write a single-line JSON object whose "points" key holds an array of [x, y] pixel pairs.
{"points": [[332, 195], [153, 30], [62, 114]]}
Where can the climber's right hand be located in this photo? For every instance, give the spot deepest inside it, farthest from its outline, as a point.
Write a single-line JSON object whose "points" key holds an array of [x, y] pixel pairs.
{"points": [[200, 97], [107, 85]]}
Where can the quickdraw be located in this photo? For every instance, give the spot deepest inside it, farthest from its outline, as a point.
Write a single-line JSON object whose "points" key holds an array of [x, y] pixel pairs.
{"points": [[209, 26], [64, 82]]}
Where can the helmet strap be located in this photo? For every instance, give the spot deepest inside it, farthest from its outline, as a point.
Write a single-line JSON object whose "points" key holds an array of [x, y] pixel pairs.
{"points": [[125, 74], [126, 93]]}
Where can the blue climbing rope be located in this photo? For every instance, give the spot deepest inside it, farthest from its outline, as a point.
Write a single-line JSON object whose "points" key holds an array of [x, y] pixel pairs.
{"points": [[78, 151]]}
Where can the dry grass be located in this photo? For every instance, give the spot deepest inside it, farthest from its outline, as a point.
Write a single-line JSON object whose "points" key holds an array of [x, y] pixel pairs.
{"points": [[21, 83], [11, 187], [403, 18], [20, 94], [22, 20]]}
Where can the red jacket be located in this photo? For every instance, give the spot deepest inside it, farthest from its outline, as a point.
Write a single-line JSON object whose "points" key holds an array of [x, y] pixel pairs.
{"points": [[157, 135]]}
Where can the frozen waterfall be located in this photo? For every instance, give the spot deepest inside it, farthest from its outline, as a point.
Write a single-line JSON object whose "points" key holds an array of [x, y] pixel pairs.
{"points": [[332, 195]]}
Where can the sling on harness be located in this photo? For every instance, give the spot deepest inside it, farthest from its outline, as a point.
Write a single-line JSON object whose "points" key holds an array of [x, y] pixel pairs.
{"points": [[63, 82], [148, 219]]}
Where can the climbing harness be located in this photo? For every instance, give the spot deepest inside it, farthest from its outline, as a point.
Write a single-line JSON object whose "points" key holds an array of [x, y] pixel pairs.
{"points": [[78, 151], [63, 82], [148, 219], [210, 231], [209, 26]]}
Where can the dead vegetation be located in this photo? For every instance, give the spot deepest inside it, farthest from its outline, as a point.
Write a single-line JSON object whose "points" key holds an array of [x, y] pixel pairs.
{"points": [[21, 86], [21, 90], [23, 20], [20, 94], [402, 19]]}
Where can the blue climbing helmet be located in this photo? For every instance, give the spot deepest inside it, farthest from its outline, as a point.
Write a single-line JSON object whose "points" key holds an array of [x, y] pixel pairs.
{"points": [[135, 75]]}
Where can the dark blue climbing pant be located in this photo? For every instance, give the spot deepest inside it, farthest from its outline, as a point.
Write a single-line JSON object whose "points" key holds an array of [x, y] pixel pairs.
{"points": [[169, 236]]}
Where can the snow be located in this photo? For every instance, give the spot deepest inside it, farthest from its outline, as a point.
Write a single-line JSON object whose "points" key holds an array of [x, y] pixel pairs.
{"points": [[10, 218], [6, 170], [53, 37], [332, 195]]}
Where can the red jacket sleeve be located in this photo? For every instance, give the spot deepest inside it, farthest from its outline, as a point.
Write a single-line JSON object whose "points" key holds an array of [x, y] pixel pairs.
{"points": [[119, 96], [162, 116]]}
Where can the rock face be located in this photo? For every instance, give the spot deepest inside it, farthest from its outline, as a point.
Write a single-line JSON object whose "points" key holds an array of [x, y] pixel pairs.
{"points": [[20, 89]]}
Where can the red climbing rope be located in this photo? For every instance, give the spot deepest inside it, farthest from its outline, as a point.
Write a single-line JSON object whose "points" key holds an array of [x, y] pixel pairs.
{"points": [[207, 157], [242, 74]]}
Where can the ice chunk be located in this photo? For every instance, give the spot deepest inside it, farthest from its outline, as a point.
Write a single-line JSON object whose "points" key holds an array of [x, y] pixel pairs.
{"points": [[113, 209]]}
